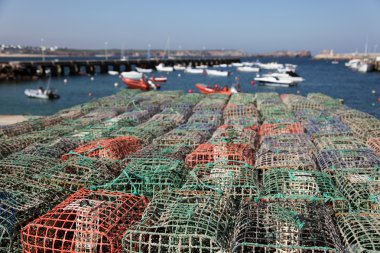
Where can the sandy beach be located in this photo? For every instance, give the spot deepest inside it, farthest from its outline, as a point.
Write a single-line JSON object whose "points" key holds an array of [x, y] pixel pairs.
{"points": [[11, 119]]}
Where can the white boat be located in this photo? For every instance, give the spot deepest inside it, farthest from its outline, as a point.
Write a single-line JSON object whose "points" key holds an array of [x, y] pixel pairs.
{"points": [[194, 71], [113, 73], [201, 67], [247, 69], [179, 67], [248, 64], [289, 75], [142, 70], [131, 75], [161, 67], [237, 64], [41, 93], [223, 65], [273, 81], [353, 64], [334, 62], [365, 67], [271, 65], [213, 72]]}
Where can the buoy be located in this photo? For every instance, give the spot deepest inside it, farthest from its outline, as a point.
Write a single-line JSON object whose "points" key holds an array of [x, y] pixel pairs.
{"points": [[373, 91], [237, 78], [115, 84], [190, 91], [252, 82], [373, 104], [216, 85], [179, 75], [158, 86], [298, 92], [378, 100], [92, 78], [90, 94], [65, 80]]}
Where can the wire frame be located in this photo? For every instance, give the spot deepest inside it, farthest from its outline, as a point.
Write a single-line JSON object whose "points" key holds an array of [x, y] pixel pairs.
{"points": [[87, 221], [242, 98], [287, 143], [306, 114], [326, 127], [345, 160], [171, 116], [132, 118], [16, 129], [298, 185], [297, 102], [157, 128], [26, 166], [365, 129], [209, 153], [280, 128], [21, 200], [144, 136], [347, 115], [231, 178], [233, 110], [182, 221], [53, 149], [77, 172], [243, 122], [178, 137], [374, 143], [114, 148], [295, 161], [212, 118], [361, 189], [339, 143], [147, 176], [14, 144], [210, 105], [326, 101], [285, 227], [234, 134], [360, 231]]}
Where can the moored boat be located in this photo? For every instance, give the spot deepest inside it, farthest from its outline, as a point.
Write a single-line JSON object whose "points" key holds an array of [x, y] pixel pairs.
{"points": [[194, 71], [113, 73], [131, 75], [161, 67], [247, 69], [179, 67], [213, 72], [141, 84], [41, 93], [204, 89], [274, 81], [142, 70], [159, 79]]}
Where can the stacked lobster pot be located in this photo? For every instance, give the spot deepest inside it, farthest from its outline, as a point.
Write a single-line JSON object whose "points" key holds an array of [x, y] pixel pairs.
{"points": [[291, 203]]}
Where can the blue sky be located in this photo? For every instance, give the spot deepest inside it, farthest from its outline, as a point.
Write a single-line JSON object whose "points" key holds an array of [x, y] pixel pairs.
{"points": [[254, 26]]}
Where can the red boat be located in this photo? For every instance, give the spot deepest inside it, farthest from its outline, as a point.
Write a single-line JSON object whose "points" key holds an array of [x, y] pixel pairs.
{"points": [[206, 90], [160, 79], [141, 84]]}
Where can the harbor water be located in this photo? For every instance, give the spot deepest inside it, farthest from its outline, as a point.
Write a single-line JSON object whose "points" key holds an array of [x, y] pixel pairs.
{"points": [[359, 91]]}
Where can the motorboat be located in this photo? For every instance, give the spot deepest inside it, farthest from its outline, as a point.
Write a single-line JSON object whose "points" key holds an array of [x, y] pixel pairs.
{"points": [[247, 69], [131, 75], [289, 75], [41, 93], [161, 67], [141, 84], [353, 64], [271, 65], [237, 64], [158, 79], [223, 66], [204, 89], [213, 72], [334, 62], [194, 71], [201, 67], [179, 67], [248, 64], [142, 70], [113, 73], [274, 81], [365, 67]]}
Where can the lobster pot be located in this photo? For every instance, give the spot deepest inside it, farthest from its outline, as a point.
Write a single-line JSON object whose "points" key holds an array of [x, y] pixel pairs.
{"points": [[182, 221], [361, 189], [365, 129], [154, 151], [90, 133], [180, 106], [144, 136], [56, 131], [54, 149], [205, 129], [267, 96], [326, 127], [147, 176], [14, 144], [280, 128], [232, 178], [306, 114], [346, 115], [20, 201], [374, 143], [179, 138], [148, 106], [295, 161], [26, 166], [242, 98], [212, 118], [243, 122], [360, 231], [170, 115], [345, 160], [191, 99], [285, 227], [126, 119], [339, 143], [296, 103], [70, 114], [276, 114], [327, 102], [87, 221], [16, 129], [298, 185], [97, 116], [287, 143], [115, 148], [157, 128], [234, 134], [209, 153], [77, 172], [210, 105], [238, 110]]}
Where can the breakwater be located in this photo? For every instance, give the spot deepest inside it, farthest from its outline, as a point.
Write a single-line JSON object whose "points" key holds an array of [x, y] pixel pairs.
{"points": [[29, 70]]}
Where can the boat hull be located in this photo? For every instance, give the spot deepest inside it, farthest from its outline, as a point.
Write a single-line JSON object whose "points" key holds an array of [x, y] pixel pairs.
{"points": [[136, 84], [36, 94], [205, 90]]}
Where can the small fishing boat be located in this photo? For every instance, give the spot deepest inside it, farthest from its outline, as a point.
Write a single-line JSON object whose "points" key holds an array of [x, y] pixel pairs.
{"points": [[160, 79], [161, 67], [131, 75], [179, 67], [194, 71], [289, 75], [201, 67], [41, 93], [237, 64], [274, 81], [334, 62], [247, 69], [141, 84], [204, 89], [212, 72], [142, 70], [113, 73]]}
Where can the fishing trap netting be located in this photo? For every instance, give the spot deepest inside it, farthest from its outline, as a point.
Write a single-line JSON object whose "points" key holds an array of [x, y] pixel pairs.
{"points": [[280, 128], [53, 149], [365, 128], [297, 102], [144, 136], [178, 137], [14, 144], [87, 221], [242, 98], [374, 143], [295, 161], [244, 122], [237, 111], [234, 134], [213, 118], [182, 221], [326, 127], [326, 101], [177, 152]]}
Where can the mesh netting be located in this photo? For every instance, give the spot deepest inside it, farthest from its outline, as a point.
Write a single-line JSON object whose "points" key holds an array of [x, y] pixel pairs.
{"points": [[297, 102], [287, 143], [326, 127], [97, 116], [242, 98], [205, 128], [344, 160], [306, 114], [115, 148], [54, 149], [350, 114], [87, 221], [77, 172], [237, 111], [281, 128], [157, 128], [374, 143], [209, 153], [326, 101], [147, 176], [244, 122], [301, 185], [360, 232], [20, 201], [22, 165], [276, 114], [339, 143], [294, 161], [143, 135], [132, 118], [16, 129], [365, 128], [285, 227], [170, 116], [179, 137], [361, 189], [234, 134], [14, 144], [182, 221], [210, 105], [213, 118], [153, 151], [231, 178]]}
